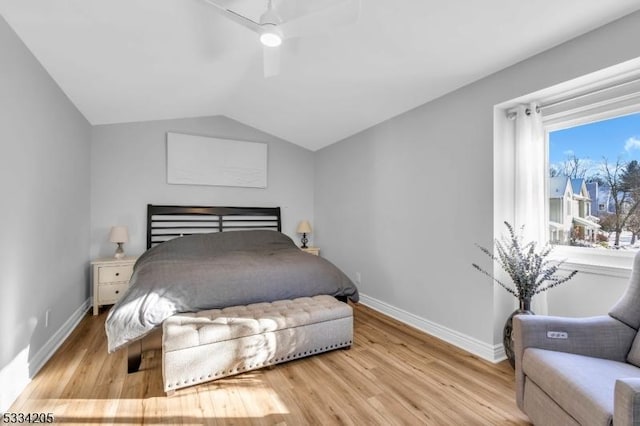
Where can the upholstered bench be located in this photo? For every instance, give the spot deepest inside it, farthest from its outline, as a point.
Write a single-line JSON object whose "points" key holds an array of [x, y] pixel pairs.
{"points": [[207, 345]]}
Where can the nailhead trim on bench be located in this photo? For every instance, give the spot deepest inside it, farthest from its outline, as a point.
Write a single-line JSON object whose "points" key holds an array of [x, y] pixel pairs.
{"points": [[265, 364]]}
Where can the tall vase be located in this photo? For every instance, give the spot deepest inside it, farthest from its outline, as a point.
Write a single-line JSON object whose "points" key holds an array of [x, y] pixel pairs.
{"points": [[507, 338]]}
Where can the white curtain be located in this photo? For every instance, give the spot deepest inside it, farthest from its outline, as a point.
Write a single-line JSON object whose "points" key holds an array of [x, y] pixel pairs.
{"points": [[530, 188]]}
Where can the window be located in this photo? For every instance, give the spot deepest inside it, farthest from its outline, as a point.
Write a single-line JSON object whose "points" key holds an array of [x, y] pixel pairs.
{"points": [[522, 182], [596, 164]]}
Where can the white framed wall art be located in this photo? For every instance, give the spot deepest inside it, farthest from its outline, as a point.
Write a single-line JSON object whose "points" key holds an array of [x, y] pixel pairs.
{"points": [[201, 160]]}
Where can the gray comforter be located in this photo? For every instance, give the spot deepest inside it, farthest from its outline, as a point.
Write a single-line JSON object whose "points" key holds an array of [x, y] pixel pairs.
{"points": [[208, 271]]}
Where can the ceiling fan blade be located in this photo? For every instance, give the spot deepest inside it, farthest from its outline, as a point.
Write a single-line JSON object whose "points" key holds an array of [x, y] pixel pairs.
{"points": [[339, 13], [271, 58], [220, 6]]}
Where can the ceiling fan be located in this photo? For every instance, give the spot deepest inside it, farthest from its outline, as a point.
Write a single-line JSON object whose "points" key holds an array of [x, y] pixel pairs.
{"points": [[273, 30]]}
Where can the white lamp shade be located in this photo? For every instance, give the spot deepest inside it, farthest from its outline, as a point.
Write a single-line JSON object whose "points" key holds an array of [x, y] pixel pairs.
{"points": [[304, 227], [119, 234]]}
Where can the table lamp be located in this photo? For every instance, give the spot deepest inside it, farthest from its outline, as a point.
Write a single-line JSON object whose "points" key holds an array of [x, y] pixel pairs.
{"points": [[119, 235], [304, 228]]}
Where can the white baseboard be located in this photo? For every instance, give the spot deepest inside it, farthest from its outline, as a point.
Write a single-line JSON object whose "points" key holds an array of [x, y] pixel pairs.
{"points": [[491, 353], [18, 373], [42, 356], [14, 378]]}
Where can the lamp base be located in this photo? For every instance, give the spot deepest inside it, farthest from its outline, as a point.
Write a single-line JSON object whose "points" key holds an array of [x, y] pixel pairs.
{"points": [[304, 241], [119, 252]]}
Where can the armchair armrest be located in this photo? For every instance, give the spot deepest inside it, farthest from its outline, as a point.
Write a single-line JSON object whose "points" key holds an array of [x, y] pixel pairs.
{"points": [[598, 337], [626, 402]]}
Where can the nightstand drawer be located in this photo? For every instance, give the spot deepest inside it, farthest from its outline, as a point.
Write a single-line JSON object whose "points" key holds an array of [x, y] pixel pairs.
{"points": [[110, 293], [110, 279], [114, 274]]}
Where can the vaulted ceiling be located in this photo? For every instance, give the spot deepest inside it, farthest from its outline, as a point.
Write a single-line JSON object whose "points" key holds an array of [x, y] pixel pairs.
{"points": [[134, 60]]}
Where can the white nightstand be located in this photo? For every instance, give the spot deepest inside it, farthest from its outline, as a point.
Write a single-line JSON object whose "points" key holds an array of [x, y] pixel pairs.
{"points": [[312, 250], [110, 278]]}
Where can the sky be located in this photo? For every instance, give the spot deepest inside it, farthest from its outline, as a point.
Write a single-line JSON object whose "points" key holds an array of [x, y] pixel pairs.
{"points": [[616, 138]]}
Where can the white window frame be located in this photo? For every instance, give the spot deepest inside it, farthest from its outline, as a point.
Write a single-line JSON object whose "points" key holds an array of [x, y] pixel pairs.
{"points": [[610, 262], [584, 257]]}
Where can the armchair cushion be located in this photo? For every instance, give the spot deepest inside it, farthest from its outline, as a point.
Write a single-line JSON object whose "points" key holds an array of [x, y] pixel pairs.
{"points": [[626, 309], [583, 386]]}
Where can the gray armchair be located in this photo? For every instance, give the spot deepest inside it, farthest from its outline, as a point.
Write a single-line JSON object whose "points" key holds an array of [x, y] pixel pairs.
{"points": [[581, 371]]}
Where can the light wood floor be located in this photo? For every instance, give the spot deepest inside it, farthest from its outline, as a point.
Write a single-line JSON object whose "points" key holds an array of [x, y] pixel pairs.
{"points": [[393, 375]]}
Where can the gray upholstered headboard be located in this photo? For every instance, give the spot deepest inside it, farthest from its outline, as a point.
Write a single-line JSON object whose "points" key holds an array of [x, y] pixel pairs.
{"points": [[167, 222]]}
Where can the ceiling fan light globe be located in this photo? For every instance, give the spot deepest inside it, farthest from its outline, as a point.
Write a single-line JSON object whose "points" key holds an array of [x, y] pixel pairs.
{"points": [[270, 39]]}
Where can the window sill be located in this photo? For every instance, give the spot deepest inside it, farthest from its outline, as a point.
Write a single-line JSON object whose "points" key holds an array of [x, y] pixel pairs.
{"points": [[616, 263]]}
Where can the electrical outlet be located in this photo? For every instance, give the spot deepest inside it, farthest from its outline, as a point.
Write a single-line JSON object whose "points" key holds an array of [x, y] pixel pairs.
{"points": [[46, 318], [358, 278], [557, 335]]}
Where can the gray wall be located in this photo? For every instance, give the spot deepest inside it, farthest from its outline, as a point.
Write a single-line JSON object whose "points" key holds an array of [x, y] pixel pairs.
{"points": [[404, 202], [44, 181], [588, 294], [128, 171]]}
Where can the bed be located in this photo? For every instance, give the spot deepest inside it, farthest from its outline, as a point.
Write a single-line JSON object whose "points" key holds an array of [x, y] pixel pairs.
{"points": [[200, 258]]}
